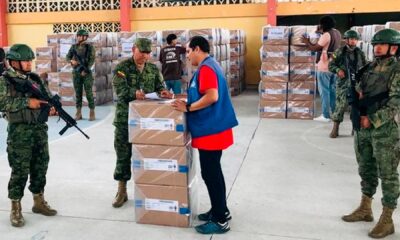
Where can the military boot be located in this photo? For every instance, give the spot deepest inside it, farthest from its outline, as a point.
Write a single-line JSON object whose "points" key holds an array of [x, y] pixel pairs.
{"points": [[362, 213], [92, 115], [41, 206], [385, 225], [335, 130], [121, 196], [78, 115], [16, 218]]}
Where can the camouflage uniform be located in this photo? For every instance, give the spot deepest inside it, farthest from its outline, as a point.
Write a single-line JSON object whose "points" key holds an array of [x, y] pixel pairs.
{"points": [[356, 59], [149, 80], [27, 141], [376, 147], [83, 82]]}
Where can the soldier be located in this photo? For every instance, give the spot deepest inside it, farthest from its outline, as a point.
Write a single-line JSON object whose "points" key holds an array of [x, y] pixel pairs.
{"points": [[133, 78], [82, 56], [345, 60], [376, 140], [27, 140], [2, 61]]}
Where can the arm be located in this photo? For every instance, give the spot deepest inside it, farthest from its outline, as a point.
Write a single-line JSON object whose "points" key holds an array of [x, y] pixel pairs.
{"points": [[392, 107], [210, 97], [335, 65], [70, 54]]}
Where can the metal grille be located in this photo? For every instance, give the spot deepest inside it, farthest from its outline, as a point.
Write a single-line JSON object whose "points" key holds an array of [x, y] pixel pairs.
{"points": [[90, 27], [23, 6]]}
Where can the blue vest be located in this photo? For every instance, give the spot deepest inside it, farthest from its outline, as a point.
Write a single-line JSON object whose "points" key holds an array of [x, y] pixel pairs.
{"points": [[217, 117]]}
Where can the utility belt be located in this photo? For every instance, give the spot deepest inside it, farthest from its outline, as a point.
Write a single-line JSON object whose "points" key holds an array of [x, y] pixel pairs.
{"points": [[28, 116]]}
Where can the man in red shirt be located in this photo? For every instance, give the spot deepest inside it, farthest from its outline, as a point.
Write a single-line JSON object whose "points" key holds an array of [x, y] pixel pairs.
{"points": [[210, 119]]}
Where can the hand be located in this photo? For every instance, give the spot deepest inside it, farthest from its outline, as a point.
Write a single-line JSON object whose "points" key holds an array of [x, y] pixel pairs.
{"points": [[74, 63], [34, 103], [341, 74], [360, 95], [179, 105], [140, 95], [83, 73], [166, 94], [364, 122], [305, 39]]}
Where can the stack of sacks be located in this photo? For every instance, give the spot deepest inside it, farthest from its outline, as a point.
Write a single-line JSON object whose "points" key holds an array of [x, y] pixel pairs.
{"points": [[163, 166], [301, 86], [236, 70], [182, 40], [61, 79], [274, 72]]}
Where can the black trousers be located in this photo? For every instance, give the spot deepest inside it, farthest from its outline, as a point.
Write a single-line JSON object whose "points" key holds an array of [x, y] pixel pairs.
{"points": [[211, 172]]}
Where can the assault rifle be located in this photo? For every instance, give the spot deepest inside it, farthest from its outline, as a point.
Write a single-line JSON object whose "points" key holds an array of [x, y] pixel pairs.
{"points": [[25, 85], [83, 65]]}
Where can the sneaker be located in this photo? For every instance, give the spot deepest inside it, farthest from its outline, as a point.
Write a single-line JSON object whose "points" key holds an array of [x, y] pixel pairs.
{"points": [[322, 119], [207, 216], [211, 227]]}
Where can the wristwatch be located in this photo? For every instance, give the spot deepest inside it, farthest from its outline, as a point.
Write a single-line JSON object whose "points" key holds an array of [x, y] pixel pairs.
{"points": [[188, 107]]}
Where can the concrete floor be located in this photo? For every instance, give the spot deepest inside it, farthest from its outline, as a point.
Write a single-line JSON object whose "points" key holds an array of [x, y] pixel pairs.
{"points": [[285, 178]]}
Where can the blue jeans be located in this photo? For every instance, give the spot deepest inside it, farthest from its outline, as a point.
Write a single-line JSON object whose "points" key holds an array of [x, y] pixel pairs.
{"points": [[175, 85], [327, 90]]}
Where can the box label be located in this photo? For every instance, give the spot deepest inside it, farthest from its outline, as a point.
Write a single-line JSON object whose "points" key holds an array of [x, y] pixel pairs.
{"points": [[127, 47], [301, 91], [274, 91], [276, 33], [275, 54], [302, 53], [302, 71], [273, 109], [300, 110], [163, 124], [151, 204], [275, 73], [169, 165]]}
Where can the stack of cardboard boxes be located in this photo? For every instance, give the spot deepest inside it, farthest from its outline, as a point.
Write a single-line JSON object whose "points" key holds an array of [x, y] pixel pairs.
{"points": [[52, 60], [163, 166], [302, 75], [236, 69], [287, 73], [274, 72]]}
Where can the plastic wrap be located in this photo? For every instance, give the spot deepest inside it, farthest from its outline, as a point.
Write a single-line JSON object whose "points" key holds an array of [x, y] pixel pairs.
{"points": [[234, 36], [45, 66], [154, 36], [299, 54], [275, 35], [46, 53], [274, 72], [52, 40], [274, 53], [300, 109], [297, 33], [182, 36], [273, 91], [97, 39], [302, 72], [301, 91], [272, 109], [393, 25], [208, 33]]}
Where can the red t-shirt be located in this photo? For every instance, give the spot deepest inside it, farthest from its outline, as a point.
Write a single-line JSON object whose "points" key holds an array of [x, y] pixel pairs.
{"points": [[218, 141]]}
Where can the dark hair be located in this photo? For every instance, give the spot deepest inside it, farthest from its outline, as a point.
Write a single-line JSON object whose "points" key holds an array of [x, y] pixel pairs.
{"points": [[2, 54], [171, 37], [201, 42], [327, 23]]}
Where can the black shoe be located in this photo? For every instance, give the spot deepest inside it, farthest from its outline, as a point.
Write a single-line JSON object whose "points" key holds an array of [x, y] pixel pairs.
{"points": [[208, 215]]}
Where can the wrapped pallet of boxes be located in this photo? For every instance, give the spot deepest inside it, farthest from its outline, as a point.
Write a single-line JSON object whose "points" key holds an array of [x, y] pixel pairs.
{"points": [[302, 76], [236, 58]]}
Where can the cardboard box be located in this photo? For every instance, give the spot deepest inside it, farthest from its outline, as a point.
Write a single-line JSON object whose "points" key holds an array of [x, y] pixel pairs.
{"points": [[273, 91], [97, 39], [272, 109], [211, 34], [297, 33], [300, 109], [52, 40], [301, 91], [166, 205], [163, 165], [64, 66], [300, 54], [302, 72], [126, 37], [46, 53], [156, 122], [154, 36], [234, 36], [66, 89], [234, 49], [275, 35], [45, 66], [274, 53], [274, 72]]}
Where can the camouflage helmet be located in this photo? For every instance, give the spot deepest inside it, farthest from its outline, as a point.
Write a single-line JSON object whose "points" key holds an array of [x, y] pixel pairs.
{"points": [[386, 36], [82, 32], [351, 34], [20, 52]]}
